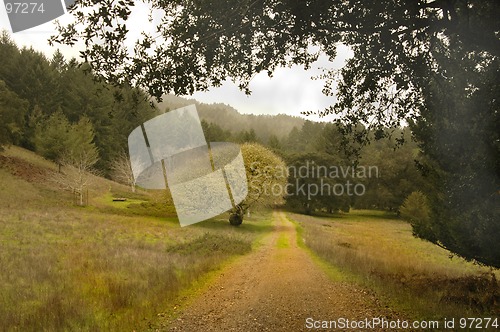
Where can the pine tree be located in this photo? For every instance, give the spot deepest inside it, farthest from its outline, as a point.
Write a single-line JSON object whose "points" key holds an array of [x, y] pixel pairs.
{"points": [[12, 111]]}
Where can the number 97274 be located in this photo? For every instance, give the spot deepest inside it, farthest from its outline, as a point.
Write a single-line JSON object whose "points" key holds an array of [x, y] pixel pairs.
{"points": [[24, 7]]}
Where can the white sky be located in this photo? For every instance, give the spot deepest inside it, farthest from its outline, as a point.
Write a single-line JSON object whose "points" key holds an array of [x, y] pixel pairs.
{"points": [[290, 90]]}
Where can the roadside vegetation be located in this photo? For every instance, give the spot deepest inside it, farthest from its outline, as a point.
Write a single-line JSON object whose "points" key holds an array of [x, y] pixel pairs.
{"points": [[107, 266], [378, 250]]}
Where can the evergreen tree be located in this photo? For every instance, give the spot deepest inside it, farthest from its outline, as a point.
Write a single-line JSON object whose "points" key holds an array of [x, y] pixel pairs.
{"points": [[459, 136], [12, 112], [81, 141], [52, 137], [9, 53], [274, 143], [59, 140]]}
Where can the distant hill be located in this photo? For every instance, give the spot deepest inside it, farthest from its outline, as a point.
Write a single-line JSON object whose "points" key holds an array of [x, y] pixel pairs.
{"points": [[229, 118]]}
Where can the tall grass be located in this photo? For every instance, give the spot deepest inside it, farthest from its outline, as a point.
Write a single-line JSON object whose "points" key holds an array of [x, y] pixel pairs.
{"points": [[70, 268], [380, 251]]}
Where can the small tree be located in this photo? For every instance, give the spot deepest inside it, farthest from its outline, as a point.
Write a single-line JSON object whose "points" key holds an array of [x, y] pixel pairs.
{"points": [[72, 147], [267, 178], [122, 170], [78, 173], [52, 137], [416, 211]]}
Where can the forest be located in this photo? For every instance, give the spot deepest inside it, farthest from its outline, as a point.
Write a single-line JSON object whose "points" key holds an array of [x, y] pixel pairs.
{"points": [[55, 105]]}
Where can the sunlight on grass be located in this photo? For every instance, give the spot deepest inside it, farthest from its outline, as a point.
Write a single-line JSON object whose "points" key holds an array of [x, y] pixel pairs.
{"points": [[282, 242], [99, 272], [107, 199]]}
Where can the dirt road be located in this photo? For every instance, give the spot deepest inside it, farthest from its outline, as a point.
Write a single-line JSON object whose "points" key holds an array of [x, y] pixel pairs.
{"points": [[276, 288]]}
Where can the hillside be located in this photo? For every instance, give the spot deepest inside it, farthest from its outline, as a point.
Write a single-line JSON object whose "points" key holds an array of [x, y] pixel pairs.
{"points": [[230, 119], [21, 168], [109, 266]]}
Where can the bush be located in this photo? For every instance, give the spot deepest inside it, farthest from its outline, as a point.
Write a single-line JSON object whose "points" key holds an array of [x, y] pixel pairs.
{"points": [[415, 209]]}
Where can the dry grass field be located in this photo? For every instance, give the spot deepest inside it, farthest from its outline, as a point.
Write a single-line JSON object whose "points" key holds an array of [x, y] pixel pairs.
{"points": [[108, 266], [379, 251]]}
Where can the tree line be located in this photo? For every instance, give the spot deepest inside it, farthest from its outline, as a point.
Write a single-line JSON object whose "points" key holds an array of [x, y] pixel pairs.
{"points": [[228, 118], [315, 155], [57, 108]]}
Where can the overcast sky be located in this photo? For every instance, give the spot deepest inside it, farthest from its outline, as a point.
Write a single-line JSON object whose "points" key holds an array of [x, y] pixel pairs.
{"points": [[290, 90]]}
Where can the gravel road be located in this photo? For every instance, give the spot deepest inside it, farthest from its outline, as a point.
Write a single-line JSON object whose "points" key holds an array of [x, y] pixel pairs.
{"points": [[277, 288]]}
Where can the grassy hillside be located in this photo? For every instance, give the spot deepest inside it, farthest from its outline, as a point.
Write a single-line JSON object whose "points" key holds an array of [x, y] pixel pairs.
{"points": [[107, 266], [379, 251]]}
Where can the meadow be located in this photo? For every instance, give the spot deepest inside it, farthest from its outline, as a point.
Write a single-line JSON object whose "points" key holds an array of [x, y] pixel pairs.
{"points": [[128, 265], [378, 251], [107, 266]]}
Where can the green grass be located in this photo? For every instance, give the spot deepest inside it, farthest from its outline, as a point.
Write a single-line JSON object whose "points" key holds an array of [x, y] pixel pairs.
{"points": [[379, 251], [332, 271], [282, 242], [110, 266], [107, 199]]}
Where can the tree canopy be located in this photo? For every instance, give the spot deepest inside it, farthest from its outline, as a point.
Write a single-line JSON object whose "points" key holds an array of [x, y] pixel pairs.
{"points": [[397, 44], [266, 175]]}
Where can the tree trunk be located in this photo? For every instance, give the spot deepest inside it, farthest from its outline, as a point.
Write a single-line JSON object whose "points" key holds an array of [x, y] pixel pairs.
{"points": [[236, 216]]}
